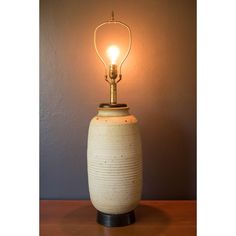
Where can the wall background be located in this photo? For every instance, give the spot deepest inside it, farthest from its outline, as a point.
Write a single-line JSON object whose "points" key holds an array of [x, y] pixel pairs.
{"points": [[159, 85]]}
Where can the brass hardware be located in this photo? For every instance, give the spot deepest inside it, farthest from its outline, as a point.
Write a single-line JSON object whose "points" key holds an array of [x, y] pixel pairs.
{"points": [[112, 16], [113, 83], [113, 92], [113, 69]]}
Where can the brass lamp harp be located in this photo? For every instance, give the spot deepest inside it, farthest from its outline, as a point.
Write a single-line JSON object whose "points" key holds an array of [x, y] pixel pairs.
{"points": [[113, 72]]}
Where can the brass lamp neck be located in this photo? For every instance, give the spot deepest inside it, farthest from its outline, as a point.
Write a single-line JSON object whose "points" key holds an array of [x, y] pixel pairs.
{"points": [[113, 92], [113, 86]]}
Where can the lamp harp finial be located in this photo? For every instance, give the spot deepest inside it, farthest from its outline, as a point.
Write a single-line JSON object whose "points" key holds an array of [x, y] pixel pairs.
{"points": [[112, 16]]}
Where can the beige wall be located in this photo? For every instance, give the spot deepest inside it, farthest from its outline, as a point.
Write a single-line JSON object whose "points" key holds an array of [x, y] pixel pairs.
{"points": [[158, 84]]}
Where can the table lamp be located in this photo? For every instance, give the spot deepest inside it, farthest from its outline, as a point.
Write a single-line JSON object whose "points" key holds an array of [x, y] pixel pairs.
{"points": [[114, 152]]}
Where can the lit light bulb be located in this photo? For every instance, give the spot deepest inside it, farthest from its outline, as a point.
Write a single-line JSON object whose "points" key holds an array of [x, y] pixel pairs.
{"points": [[113, 53]]}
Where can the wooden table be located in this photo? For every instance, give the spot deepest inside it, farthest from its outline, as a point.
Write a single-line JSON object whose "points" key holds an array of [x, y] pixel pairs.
{"points": [[59, 217]]}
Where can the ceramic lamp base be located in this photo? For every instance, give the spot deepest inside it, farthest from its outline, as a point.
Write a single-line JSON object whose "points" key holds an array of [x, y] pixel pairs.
{"points": [[115, 220], [114, 165]]}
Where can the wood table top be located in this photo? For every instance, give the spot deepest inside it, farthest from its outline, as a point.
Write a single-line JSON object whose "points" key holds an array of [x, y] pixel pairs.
{"points": [[155, 218]]}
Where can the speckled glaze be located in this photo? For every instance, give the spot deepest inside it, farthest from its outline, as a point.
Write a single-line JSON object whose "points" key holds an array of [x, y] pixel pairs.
{"points": [[114, 161]]}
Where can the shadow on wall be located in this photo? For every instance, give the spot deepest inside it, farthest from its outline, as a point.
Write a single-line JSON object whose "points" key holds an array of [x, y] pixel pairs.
{"points": [[169, 163]]}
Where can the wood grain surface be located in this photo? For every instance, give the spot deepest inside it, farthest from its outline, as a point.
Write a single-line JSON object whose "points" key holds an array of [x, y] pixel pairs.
{"points": [[155, 218]]}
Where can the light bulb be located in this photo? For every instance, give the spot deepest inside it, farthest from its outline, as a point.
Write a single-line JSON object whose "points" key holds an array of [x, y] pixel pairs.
{"points": [[113, 53]]}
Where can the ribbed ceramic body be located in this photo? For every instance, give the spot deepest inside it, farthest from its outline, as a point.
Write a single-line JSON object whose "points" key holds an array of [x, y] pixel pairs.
{"points": [[114, 161]]}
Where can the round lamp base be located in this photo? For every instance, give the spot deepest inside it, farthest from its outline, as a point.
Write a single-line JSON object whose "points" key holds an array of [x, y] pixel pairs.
{"points": [[111, 220]]}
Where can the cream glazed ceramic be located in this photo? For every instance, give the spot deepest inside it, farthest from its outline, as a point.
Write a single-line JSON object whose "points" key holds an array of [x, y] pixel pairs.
{"points": [[114, 161]]}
